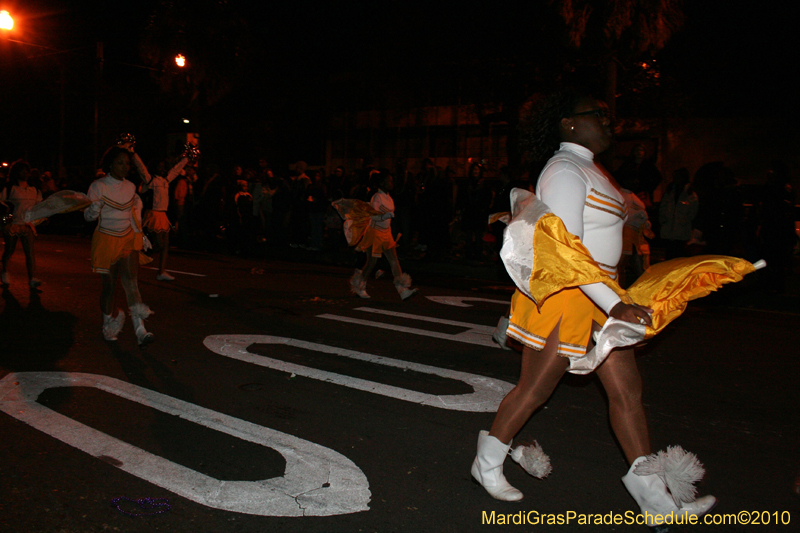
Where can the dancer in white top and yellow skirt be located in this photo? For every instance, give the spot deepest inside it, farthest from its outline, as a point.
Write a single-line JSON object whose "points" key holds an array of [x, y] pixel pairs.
{"points": [[558, 329], [117, 243], [368, 227]]}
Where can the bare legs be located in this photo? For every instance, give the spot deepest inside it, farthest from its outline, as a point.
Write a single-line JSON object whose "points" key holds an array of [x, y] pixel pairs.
{"points": [[8, 251], [369, 265], [107, 293], [394, 263], [540, 374], [163, 243], [391, 257], [127, 269], [27, 247], [623, 385]]}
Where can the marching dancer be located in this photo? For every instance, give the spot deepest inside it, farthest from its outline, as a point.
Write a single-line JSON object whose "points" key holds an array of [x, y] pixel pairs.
{"points": [[22, 196], [376, 238], [155, 219], [117, 243], [577, 127]]}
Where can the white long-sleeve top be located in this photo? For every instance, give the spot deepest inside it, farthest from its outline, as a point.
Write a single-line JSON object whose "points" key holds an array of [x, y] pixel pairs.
{"points": [[381, 201], [116, 204], [22, 199], [592, 209], [159, 184]]}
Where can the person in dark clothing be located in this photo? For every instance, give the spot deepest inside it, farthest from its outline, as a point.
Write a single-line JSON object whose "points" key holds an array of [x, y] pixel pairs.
{"points": [[436, 204], [720, 216], [639, 175], [480, 198], [242, 222], [316, 205], [677, 212], [298, 218], [776, 234]]}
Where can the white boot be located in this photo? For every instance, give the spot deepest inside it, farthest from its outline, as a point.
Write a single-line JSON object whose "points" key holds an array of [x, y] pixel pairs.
{"points": [[139, 312], [487, 468], [499, 333], [358, 285], [112, 326], [403, 285], [647, 482]]}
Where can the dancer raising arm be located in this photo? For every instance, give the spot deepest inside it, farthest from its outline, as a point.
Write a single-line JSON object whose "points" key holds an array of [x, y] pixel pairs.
{"points": [[117, 243], [155, 219]]}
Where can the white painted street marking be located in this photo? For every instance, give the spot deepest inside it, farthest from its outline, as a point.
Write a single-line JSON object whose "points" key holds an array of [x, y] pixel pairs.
{"points": [[458, 301], [475, 334], [486, 398], [424, 318], [179, 272], [317, 482]]}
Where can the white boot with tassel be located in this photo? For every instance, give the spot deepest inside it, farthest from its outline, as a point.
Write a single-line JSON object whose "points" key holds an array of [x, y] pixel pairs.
{"points": [[532, 459], [358, 285], [139, 313], [403, 285], [487, 468], [113, 325], [663, 483]]}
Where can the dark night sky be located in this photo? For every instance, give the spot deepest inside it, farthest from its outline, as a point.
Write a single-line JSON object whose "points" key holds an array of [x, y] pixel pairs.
{"points": [[734, 57]]}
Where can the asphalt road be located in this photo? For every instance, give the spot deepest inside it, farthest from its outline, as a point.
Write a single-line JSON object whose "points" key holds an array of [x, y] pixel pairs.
{"points": [[274, 400]]}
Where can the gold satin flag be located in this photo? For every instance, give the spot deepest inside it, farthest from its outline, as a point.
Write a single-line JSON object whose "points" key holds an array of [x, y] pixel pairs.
{"points": [[55, 204], [562, 261], [357, 215], [668, 287]]}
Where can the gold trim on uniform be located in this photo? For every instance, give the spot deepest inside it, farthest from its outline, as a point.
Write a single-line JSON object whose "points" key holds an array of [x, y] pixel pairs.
{"points": [[602, 202], [569, 309], [621, 205]]}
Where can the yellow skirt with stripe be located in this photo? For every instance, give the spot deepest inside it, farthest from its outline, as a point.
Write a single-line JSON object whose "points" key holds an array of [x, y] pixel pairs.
{"points": [[108, 249], [532, 326], [156, 221], [376, 241]]}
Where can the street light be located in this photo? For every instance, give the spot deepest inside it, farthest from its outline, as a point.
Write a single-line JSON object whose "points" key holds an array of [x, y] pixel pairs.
{"points": [[6, 22], [180, 60]]}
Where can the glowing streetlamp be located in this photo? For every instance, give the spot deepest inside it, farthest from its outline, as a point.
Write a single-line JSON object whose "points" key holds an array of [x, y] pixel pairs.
{"points": [[6, 22], [180, 60]]}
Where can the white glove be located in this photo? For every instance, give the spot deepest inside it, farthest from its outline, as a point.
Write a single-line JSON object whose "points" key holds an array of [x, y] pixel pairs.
{"points": [[93, 210], [146, 243], [383, 216]]}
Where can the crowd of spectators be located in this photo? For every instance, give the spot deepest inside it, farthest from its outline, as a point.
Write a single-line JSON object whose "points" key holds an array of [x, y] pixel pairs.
{"points": [[443, 216], [711, 213]]}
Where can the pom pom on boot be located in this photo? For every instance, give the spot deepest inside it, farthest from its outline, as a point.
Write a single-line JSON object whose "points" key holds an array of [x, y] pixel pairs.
{"points": [[358, 285], [139, 313], [403, 285], [113, 325], [663, 483], [532, 459], [678, 469]]}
